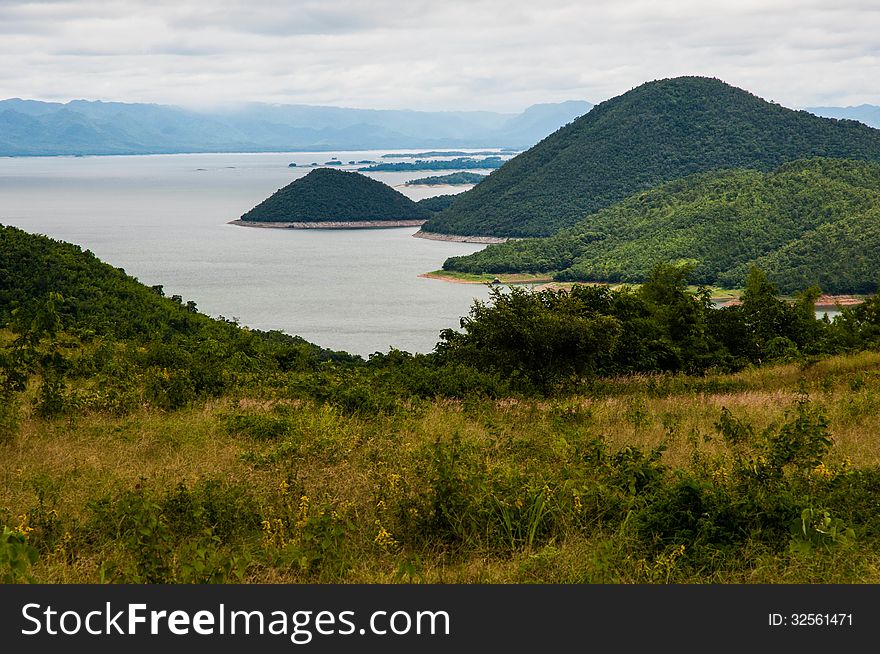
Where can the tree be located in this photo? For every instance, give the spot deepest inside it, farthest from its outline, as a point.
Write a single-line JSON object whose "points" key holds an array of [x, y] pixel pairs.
{"points": [[538, 339]]}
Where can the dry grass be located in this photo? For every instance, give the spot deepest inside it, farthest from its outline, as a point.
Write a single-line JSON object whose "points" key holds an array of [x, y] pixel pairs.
{"points": [[353, 461]]}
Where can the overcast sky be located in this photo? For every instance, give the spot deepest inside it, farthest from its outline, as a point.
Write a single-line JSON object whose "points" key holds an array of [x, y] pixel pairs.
{"points": [[438, 54]]}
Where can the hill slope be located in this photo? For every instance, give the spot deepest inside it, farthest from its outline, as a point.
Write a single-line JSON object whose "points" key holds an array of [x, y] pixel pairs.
{"points": [[657, 132], [809, 222], [326, 194], [98, 301]]}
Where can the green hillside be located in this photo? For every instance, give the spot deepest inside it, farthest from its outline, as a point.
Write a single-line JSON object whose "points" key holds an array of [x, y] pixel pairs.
{"points": [[809, 222], [451, 178], [95, 298], [98, 323], [839, 257], [144, 443], [658, 132], [334, 195], [437, 203]]}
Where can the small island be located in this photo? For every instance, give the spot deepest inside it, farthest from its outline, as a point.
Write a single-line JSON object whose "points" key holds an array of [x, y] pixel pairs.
{"points": [[441, 153], [452, 179], [329, 198], [461, 163]]}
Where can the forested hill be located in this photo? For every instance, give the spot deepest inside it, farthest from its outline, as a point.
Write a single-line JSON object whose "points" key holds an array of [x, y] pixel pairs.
{"points": [[437, 203], [101, 303], [655, 133], [809, 222], [335, 195]]}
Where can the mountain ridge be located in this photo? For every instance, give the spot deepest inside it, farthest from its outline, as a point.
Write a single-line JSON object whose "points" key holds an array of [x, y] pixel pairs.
{"points": [[814, 221], [869, 114], [659, 131], [93, 127]]}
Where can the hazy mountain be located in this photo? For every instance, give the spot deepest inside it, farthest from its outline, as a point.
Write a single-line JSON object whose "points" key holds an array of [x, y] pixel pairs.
{"points": [[81, 127], [864, 113], [657, 132], [530, 126], [29, 127]]}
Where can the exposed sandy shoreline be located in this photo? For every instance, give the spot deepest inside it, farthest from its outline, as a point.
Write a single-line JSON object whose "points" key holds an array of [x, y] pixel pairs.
{"points": [[332, 224], [824, 302], [450, 280], [433, 236], [503, 278]]}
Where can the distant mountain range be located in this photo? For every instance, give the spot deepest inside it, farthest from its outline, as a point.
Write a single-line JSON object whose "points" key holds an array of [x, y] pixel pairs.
{"points": [[865, 113], [80, 127]]}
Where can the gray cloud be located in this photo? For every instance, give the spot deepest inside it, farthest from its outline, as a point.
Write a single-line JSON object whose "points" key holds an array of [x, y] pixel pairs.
{"points": [[457, 54]]}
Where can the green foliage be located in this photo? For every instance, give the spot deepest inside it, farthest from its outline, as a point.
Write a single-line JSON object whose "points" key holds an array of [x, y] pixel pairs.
{"points": [[819, 528], [335, 195], [401, 478], [309, 536], [75, 319], [541, 339], [224, 511], [137, 523], [451, 178], [811, 222], [802, 442], [169, 389], [556, 253], [16, 557], [765, 496], [10, 422], [437, 203], [94, 299], [179, 539], [660, 131], [736, 433]]}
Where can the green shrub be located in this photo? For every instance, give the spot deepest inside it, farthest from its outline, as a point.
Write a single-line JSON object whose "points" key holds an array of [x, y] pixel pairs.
{"points": [[16, 557]]}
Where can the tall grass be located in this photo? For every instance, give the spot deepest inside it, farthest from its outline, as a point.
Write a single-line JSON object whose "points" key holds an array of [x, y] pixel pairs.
{"points": [[767, 475]]}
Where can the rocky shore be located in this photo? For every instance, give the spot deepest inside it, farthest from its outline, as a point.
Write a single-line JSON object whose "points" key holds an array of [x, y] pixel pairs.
{"points": [[331, 224], [455, 238]]}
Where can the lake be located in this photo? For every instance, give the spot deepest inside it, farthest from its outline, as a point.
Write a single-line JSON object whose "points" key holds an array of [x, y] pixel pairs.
{"points": [[163, 218]]}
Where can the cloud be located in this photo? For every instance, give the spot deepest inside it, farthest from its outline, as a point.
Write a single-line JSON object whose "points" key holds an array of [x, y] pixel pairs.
{"points": [[457, 54]]}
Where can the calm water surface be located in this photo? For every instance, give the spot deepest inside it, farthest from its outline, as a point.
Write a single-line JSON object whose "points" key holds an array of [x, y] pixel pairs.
{"points": [[164, 220]]}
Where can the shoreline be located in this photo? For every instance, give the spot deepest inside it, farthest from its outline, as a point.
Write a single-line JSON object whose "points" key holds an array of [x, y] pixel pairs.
{"points": [[440, 186], [824, 301], [513, 278], [456, 238], [331, 224], [724, 298]]}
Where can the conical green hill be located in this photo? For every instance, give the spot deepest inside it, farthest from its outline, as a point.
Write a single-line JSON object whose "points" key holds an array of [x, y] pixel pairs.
{"points": [[327, 195], [655, 133]]}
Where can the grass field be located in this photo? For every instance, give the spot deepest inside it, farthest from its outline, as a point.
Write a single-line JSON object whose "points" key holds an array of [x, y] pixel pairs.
{"points": [[635, 479]]}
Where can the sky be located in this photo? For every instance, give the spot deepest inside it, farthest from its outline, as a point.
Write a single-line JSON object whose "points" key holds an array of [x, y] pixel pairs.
{"points": [[499, 55]]}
